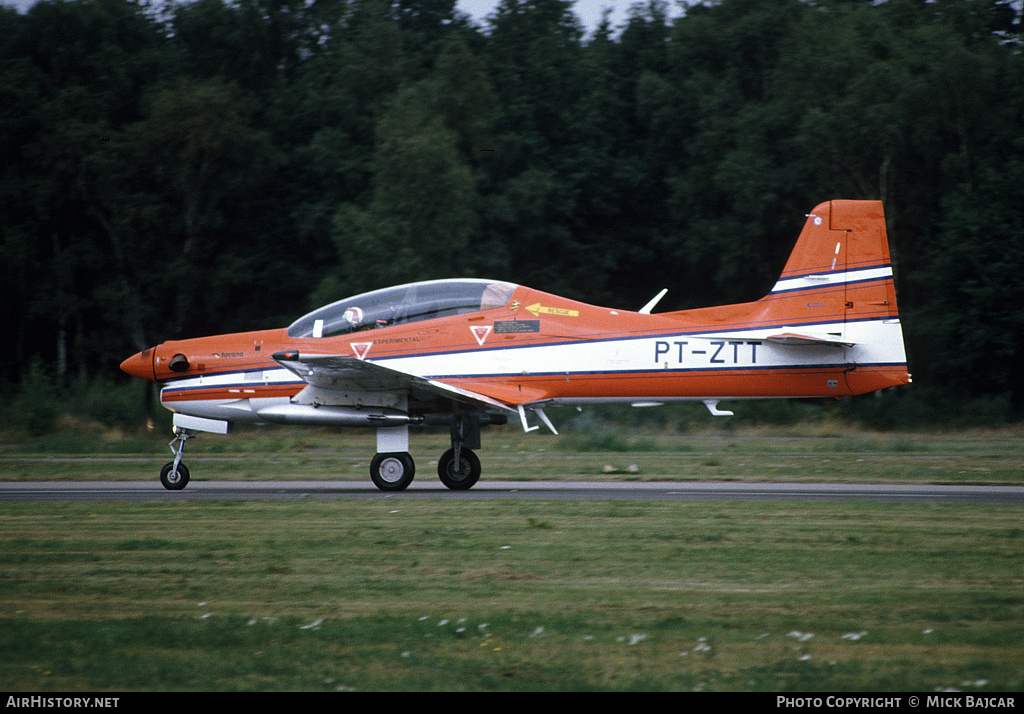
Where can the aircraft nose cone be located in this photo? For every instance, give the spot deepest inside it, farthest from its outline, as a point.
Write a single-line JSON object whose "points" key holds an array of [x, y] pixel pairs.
{"points": [[140, 365]]}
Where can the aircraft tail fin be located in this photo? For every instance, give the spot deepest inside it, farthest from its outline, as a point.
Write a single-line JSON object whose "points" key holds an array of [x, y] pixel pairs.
{"points": [[840, 270], [837, 288]]}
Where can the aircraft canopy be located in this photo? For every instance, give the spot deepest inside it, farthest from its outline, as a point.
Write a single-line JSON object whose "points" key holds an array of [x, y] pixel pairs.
{"points": [[404, 303]]}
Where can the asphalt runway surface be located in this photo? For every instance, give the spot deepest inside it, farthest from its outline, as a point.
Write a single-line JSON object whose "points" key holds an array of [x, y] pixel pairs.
{"points": [[138, 491]]}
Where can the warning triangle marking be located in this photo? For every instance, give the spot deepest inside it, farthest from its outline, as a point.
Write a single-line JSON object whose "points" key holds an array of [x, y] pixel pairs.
{"points": [[480, 332]]}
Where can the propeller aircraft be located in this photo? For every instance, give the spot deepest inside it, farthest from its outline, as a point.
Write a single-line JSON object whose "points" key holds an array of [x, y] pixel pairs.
{"points": [[467, 353]]}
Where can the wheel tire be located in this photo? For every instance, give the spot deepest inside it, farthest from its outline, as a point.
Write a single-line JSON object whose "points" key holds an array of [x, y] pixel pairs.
{"points": [[392, 472], [462, 478], [174, 480]]}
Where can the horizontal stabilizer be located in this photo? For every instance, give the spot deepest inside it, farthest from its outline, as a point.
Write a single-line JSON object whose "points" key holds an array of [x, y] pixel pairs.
{"points": [[790, 339], [807, 339]]}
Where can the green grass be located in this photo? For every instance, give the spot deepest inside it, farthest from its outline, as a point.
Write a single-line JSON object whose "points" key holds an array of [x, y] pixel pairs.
{"points": [[799, 453], [392, 594], [397, 594]]}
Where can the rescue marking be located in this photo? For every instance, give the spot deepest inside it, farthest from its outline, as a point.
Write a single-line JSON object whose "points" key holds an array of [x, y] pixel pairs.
{"points": [[538, 309]]}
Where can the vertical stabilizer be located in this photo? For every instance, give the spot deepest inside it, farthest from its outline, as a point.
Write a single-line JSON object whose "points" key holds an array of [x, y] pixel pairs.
{"points": [[838, 284], [839, 270]]}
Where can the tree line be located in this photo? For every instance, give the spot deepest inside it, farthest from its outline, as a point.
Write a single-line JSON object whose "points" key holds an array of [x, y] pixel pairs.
{"points": [[183, 168]]}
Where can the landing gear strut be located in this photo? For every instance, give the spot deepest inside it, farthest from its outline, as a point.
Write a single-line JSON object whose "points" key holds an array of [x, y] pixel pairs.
{"points": [[393, 469], [174, 475], [459, 467]]}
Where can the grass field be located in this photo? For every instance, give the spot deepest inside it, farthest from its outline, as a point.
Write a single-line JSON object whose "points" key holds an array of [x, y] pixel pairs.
{"points": [[790, 454], [396, 594]]}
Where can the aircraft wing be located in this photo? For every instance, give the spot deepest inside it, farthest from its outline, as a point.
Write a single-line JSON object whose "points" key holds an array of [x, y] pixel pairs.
{"points": [[341, 374]]}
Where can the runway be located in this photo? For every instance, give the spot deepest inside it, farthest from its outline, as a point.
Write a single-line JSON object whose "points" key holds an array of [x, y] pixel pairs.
{"points": [[136, 491]]}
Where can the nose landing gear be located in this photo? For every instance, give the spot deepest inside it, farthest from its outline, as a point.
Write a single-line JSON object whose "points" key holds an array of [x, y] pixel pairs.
{"points": [[174, 475]]}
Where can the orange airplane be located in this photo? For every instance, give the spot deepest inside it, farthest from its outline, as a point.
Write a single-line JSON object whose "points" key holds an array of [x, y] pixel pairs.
{"points": [[467, 353]]}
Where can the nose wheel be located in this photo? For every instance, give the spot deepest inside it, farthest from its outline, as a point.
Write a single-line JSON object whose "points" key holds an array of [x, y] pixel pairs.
{"points": [[175, 475], [174, 478]]}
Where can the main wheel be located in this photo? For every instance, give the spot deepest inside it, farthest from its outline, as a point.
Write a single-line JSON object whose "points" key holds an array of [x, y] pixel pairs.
{"points": [[174, 480], [462, 475], [392, 472]]}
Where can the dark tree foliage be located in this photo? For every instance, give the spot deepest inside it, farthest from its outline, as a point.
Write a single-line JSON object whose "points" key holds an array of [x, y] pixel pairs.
{"points": [[215, 165]]}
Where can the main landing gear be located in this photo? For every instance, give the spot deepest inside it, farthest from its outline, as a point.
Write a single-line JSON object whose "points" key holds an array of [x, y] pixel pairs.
{"points": [[459, 468], [393, 469]]}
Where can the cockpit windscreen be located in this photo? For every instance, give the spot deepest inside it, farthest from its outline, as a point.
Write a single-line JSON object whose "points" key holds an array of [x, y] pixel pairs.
{"points": [[401, 304]]}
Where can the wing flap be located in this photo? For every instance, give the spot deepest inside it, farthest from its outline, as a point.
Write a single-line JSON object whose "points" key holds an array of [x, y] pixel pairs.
{"points": [[507, 393]]}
